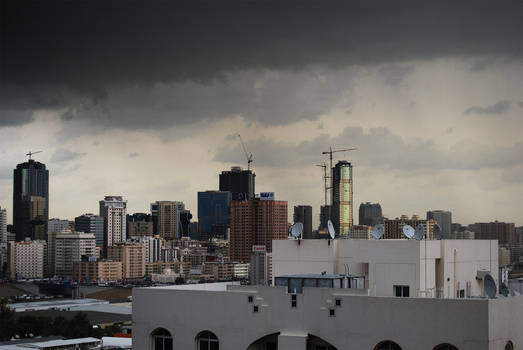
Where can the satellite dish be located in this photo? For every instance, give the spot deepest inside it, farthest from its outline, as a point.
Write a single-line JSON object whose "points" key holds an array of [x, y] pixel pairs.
{"points": [[296, 230], [490, 286], [437, 231], [409, 231], [332, 233], [419, 233], [378, 231]]}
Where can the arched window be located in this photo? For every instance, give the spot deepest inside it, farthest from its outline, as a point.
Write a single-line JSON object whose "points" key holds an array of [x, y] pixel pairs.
{"points": [[207, 341], [162, 339], [445, 347], [387, 345], [509, 346]]}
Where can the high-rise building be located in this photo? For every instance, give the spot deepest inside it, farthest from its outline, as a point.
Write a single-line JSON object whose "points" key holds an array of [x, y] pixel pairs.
{"points": [[394, 227], [444, 220], [139, 225], [70, 247], [132, 256], [256, 222], [113, 210], [30, 199], [90, 223], [185, 223], [27, 259], [370, 214], [57, 225], [325, 216], [342, 198], [213, 208], [504, 232], [239, 182], [3, 226], [153, 248], [167, 217], [258, 268], [303, 214]]}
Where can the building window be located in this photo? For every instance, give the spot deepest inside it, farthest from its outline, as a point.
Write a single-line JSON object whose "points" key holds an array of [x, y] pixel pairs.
{"points": [[250, 298], [401, 291], [387, 345], [207, 341], [255, 308], [337, 302], [509, 346], [445, 347], [294, 300], [332, 312], [162, 339]]}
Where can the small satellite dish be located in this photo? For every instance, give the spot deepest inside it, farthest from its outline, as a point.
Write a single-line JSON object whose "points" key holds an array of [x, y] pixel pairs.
{"points": [[378, 231], [332, 233], [437, 231], [296, 230], [490, 286], [409, 231], [419, 233]]}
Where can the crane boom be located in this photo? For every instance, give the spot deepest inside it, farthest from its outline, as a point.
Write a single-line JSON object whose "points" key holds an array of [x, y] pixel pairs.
{"points": [[330, 152], [30, 154], [249, 157]]}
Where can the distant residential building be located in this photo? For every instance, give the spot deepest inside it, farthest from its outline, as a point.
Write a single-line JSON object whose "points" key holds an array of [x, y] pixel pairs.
{"points": [[185, 223], [26, 259], [3, 226], [303, 214], [70, 247], [194, 230], [161, 267], [258, 268], [370, 214], [167, 217], [96, 271], [325, 216], [113, 210], [342, 202], [256, 222], [90, 223], [139, 225], [30, 199], [153, 248], [57, 225], [241, 183], [444, 220], [394, 227], [504, 232], [132, 256], [213, 209], [240, 270], [360, 232], [466, 234]]}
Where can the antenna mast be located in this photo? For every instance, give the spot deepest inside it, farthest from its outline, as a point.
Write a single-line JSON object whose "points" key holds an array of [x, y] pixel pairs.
{"points": [[250, 157], [325, 177], [330, 152]]}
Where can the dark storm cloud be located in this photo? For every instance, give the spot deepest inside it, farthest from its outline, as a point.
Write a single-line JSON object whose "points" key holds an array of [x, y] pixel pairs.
{"points": [[14, 117], [377, 147], [57, 53], [499, 107], [394, 74]]}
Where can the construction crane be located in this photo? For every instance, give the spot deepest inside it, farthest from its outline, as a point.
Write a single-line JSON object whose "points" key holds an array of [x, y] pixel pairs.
{"points": [[30, 154], [250, 157], [325, 177], [330, 152]]}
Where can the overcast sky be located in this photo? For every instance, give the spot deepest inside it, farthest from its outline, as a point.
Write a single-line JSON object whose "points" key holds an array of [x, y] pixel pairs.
{"points": [[143, 99]]}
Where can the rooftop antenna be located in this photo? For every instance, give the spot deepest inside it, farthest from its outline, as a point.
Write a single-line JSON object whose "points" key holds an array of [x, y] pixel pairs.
{"points": [[325, 177], [378, 231], [30, 154], [250, 157], [409, 231], [330, 152]]}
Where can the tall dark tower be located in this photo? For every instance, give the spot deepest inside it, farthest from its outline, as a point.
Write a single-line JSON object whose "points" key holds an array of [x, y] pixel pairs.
{"points": [[30, 200], [239, 182], [303, 214]]}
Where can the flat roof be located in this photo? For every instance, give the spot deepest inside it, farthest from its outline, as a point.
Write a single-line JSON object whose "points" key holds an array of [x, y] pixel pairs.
{"points": [[215, 287], [313, 275], [53, 343]]}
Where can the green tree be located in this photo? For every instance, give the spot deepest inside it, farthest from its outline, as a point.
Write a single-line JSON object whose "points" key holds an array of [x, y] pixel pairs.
{"points": [[7, 321]]}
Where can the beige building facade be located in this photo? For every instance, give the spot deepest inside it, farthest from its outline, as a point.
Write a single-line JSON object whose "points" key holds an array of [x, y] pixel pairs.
{"points": [[132, 256], [97, 271]]}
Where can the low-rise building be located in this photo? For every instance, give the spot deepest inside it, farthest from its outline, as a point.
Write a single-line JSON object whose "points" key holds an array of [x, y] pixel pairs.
{"points": [[26, 259], [101, 270], [132, 256]]}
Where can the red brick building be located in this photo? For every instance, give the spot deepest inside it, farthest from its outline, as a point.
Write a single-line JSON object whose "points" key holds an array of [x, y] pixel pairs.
{"points": [[256, 222]]}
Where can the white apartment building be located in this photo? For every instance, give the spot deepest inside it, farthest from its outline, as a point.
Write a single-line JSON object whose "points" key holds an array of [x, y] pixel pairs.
{"points": [[427, 268], [114, 210], [70, 247], [153, 248], [3, 226], [26, 259]]}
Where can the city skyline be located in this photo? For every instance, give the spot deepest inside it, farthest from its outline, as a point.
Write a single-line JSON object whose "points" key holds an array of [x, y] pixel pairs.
{"points": [[427, 92]]}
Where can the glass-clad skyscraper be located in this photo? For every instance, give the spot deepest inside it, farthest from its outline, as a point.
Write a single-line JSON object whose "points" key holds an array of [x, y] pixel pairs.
{"points": [[342, 197], [30, 200], [213, 209]]}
